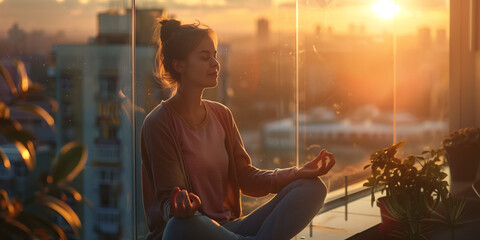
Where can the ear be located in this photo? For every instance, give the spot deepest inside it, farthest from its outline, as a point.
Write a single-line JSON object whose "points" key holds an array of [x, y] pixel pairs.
{"points": [[178, 65]]}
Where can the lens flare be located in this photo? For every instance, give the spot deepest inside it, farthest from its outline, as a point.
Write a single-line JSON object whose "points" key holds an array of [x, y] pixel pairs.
{"points": [[385, 9]]}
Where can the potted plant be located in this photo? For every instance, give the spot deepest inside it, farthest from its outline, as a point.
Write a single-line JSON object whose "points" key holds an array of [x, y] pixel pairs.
{"points": [[463, 153], [413, 188]]}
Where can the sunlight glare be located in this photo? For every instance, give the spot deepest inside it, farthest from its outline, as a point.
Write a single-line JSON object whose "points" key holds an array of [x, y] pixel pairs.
{"points": [[385, 9], [83, 1], [25, 154]]}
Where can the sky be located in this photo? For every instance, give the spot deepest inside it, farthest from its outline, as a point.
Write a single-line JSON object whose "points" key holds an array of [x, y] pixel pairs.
{"points": [[78, 18]]}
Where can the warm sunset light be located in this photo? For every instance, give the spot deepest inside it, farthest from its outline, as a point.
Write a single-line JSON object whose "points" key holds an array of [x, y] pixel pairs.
{"points": [[6, 161], [385, 9], [25, 154]]}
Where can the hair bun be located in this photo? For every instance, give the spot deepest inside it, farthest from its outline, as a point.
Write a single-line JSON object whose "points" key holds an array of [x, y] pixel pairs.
{"points": [[168, 28]]}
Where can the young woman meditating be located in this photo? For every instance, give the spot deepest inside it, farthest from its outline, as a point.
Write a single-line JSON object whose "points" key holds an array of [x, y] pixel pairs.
{"points": [[194, 164]]}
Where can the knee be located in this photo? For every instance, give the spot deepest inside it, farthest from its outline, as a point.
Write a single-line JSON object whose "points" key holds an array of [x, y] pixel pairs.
{"points": [[315, 189], [182, 228]]}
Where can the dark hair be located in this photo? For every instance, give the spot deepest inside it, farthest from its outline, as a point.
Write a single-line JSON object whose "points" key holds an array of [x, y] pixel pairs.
{"points": [[175, 42]]}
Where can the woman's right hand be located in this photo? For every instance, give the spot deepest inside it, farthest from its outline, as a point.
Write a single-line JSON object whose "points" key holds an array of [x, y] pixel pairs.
{"points": [[183, 204]]}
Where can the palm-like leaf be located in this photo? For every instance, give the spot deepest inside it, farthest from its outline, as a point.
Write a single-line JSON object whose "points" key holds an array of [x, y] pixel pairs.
{"points": [[4, 159], [4, 111], [69, 163], [27, 152], [37, 111], [6, 207], [22, 72], [41, 227], [23, 140], [71, 191], [46, 202], [8, 79], [12, 229]]}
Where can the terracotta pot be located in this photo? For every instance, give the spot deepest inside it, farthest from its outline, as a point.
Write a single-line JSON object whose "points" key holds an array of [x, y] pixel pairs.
{"points": [[390, 224]]}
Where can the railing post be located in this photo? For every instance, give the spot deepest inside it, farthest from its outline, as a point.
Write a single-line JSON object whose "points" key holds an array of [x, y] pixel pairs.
{"points": [[346, 198], [311, 228]]}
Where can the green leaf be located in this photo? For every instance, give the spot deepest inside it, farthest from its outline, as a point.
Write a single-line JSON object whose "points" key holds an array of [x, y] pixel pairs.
{"points": [[8, 125], [442, 175], [59, 207], [69, 163], [27, 152], [4, 159], [22, 72], [37, 111], [366, 166], [8, 79], [4, 110], [6, 206], [65, 190], [400, 144], [41, 227], [12, 229]]}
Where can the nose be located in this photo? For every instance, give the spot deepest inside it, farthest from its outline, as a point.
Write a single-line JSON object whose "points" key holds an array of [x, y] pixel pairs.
{"points": [[215, 63]]}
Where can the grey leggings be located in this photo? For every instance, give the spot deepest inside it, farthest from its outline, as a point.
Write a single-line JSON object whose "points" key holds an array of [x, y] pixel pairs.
{"points": [[283, 217]]}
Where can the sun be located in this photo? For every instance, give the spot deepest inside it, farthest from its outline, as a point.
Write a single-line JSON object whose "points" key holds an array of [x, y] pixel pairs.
{"points": [[385, 9]]}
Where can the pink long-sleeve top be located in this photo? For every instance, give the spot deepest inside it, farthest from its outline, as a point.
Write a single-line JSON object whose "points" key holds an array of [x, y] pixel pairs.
{"points": [[164, 166]]}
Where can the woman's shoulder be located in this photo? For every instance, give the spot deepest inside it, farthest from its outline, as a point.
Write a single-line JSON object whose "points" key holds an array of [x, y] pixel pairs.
{"points": [[159, 114], [216, 106]]}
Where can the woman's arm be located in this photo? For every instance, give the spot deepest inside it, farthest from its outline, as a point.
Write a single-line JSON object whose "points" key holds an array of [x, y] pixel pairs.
{"points": [[161, 167], [255, 182]]}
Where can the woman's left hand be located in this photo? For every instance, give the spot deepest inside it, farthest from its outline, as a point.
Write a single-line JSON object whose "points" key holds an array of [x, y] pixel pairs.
{"points": [[312, 168]]}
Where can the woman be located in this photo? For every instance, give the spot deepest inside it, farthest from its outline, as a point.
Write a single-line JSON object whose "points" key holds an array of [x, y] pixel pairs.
{"points": [[194, 165]]}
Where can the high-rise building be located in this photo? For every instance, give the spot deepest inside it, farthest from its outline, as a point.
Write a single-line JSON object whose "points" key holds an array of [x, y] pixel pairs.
{"points": [[94, 89]]}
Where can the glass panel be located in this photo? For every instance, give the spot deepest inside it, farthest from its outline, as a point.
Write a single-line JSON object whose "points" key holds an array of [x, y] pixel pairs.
{"points": [[346, 84], [371, 73], [80, 52], [147, 91], [422, 74]]}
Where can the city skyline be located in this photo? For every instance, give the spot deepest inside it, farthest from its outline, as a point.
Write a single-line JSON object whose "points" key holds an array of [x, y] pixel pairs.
{"points": [[77, 18]]}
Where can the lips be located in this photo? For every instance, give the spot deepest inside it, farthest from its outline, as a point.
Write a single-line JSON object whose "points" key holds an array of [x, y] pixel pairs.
{"points": [[213, 74]]}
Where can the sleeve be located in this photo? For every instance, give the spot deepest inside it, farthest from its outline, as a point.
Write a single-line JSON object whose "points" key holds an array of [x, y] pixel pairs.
{"points": [[161, 170], [253, 181]]}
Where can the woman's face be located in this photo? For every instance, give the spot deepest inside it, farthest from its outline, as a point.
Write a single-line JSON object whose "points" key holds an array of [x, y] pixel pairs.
{"points": [[202, 67]]}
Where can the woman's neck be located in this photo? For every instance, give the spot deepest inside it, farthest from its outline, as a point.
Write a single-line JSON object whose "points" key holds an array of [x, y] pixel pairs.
{"points": [[187, 101], [188, 104]]}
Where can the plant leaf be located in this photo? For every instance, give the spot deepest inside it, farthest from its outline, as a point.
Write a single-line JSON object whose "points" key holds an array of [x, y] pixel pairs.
{"points": [[8, 79], [5, 160], [59, 207], [22, 72], [4, 110], [27, 154], [37, 111], [8, 125], [41, 227], [64, 191], [6, 205], [69, 163], [11, 229]]}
